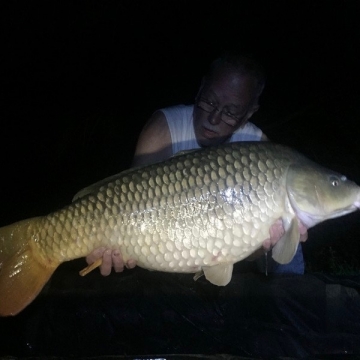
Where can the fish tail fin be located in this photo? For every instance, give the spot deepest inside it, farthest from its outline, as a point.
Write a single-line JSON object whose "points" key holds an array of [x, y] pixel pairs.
{"points": [[23, 270]]}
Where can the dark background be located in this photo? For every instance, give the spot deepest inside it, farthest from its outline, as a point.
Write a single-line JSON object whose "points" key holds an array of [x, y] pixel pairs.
{"points": [[79, 79]]}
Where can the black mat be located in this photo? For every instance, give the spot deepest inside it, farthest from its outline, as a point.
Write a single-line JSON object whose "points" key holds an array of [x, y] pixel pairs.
{"points": [[140, 313]]}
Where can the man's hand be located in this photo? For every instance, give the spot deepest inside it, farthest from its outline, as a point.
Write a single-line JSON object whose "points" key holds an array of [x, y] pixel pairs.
{"points": [[276, 232], [303, 232], [110, 258]]}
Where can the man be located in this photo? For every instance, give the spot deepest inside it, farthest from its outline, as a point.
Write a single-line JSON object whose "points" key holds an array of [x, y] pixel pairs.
{"points": [[227, 98]]}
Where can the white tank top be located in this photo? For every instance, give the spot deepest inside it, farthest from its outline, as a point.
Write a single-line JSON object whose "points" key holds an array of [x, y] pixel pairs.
{"points": [[180, 122]]}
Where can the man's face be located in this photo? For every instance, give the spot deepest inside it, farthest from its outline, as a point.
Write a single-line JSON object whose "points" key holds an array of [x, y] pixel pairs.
{"points": [[224, 103]]}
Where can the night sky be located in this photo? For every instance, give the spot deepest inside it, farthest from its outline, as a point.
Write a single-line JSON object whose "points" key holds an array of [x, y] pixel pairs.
{"points": [[80, 78]]}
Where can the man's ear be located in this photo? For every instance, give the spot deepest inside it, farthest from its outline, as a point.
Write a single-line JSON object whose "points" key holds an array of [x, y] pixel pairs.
{"points": [[253, 109], [255, 106]]}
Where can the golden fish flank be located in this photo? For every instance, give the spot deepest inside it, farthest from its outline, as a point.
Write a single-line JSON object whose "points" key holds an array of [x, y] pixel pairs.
{"points": [[202, 210]]}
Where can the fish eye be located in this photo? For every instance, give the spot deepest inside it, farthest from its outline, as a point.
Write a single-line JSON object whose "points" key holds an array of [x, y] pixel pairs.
{"points": [[335, 181]]}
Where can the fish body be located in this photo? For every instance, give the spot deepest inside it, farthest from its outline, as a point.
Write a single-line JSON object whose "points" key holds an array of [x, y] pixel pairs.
{"points": [[200, 211]]}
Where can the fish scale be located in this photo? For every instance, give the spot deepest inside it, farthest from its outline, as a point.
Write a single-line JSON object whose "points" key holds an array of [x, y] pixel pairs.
{"points": [[143, 211], [199, 211]]}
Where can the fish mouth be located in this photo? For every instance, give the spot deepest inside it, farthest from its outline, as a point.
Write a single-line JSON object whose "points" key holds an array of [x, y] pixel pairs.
{"points": [[311, 219], [357, 205], [344, 211]]}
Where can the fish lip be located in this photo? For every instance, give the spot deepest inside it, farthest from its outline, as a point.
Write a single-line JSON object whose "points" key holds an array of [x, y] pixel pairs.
{"points": [[336, 214], [310, 219]]}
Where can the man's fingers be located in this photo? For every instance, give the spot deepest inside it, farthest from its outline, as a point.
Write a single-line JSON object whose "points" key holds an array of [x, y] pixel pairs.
{"points": [[110, 258], [117, 261], [303, 237], [95, 255], [276, 231], [131, 264], [266, 245], [105, 267], [303, 232]]}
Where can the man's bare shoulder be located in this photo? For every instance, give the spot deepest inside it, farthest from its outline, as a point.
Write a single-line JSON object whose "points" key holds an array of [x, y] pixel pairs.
{"points": [[154, 143], [156, 122]]}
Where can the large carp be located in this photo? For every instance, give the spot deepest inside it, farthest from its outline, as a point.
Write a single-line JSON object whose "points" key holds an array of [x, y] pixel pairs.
{"points": [[201, 210]]}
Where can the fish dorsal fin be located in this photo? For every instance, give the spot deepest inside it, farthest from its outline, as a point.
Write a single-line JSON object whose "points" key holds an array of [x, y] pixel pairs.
{"points": [[93, 188], [285, 249], [89, 189], [219, 274], [183, 152]]}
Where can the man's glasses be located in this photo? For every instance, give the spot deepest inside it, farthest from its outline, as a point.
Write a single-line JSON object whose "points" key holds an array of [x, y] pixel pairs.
{"points": [[226, 116]]}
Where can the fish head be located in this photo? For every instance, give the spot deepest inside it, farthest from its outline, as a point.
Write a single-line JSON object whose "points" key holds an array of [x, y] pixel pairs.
{"points": [[317, 194]]}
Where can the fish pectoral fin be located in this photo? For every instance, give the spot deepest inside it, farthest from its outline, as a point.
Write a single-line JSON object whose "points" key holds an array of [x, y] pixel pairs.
{"points": [[284, 250], [219, 274]]}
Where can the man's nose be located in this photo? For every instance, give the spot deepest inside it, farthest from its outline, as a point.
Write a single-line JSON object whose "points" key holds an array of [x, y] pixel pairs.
{"points": [[215, 117]]}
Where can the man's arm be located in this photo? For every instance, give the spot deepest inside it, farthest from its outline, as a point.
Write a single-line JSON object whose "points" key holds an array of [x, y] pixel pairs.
{"points": [[264, 137], [154, 143]]}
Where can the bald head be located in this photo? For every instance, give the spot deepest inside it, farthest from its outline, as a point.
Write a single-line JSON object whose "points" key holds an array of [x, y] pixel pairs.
{"points": [[243, 65]]}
